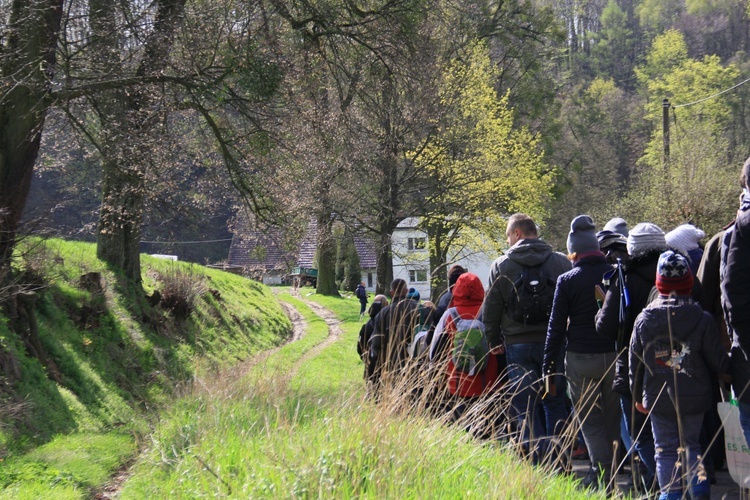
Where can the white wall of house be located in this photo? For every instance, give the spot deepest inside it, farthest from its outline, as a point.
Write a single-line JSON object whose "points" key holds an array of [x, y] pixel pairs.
{"points": [[272, 279], [370, 277], [411, 261]]}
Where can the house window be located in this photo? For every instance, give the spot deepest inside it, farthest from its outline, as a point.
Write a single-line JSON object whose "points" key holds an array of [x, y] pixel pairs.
{"points": [[417, 275], [369, 280], [417, 243]]}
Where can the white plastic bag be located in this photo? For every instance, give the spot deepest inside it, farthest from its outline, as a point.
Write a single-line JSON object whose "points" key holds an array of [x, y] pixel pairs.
{"points": [[738, 453]]}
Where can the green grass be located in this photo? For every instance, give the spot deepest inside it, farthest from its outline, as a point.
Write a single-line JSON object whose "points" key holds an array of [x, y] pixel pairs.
{"points": [[298, 425], [115, 363], [66, 467]]}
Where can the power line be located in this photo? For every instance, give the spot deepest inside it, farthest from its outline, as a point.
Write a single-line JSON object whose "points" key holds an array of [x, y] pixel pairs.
{"points": [[712, 96], [185, 242]]}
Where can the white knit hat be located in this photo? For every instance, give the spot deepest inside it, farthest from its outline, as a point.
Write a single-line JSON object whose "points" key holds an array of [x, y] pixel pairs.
{"points": [[684, 238], [644, 238]]}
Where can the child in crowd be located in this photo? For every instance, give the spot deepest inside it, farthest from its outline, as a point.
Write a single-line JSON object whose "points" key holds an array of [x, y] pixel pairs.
{"points": [[675, 344]]}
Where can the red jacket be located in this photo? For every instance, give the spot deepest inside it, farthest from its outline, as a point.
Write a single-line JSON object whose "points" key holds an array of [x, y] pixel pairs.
{"points": [[468, 295]]}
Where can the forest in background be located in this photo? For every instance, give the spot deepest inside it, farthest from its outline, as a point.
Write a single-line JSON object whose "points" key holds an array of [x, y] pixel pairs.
{"points": [[177, 116]]}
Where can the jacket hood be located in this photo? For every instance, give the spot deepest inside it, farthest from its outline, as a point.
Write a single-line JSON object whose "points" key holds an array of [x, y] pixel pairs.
{"points": [[529, 252], [468, 290], [673, 315], [645, 267]]}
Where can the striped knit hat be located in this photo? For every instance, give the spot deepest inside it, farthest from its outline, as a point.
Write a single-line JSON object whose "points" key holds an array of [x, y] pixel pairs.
{"points": [[673, 274]]}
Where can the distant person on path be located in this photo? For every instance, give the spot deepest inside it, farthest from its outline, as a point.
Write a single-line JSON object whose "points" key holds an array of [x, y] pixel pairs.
{"points": [[589, 357], [361, 294], [674, 349], [365, 333], [735, 288], [520, 330], [392, 335]]}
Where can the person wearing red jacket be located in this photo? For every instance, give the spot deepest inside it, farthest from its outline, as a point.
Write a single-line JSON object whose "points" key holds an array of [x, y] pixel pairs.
{"points": [[466, 388]]}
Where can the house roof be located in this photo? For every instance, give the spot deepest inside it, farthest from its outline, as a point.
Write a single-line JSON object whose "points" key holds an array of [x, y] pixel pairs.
{"points": [[259, 250], [366, 250], [264, 250]]}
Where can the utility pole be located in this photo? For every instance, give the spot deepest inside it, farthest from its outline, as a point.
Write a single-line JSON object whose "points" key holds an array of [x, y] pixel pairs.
{"points": [[665, 128]]}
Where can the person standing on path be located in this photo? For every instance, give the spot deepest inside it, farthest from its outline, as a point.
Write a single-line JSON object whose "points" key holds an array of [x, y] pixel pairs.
{"points": [[361, 294], [589, 357]]}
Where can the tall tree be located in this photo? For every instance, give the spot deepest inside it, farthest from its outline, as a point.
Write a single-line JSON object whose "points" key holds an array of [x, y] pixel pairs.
{"points": [[28, 64], [479, 165], [673, 189]]}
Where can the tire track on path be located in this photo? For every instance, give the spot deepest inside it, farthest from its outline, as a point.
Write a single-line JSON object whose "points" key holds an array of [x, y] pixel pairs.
{"points": [[334, 330]]}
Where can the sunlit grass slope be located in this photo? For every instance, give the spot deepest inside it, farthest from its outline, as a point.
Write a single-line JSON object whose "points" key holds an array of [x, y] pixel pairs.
{"points": [[114, 362]]}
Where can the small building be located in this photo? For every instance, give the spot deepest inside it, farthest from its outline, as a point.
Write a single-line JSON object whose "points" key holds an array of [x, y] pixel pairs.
{"points": [[262, 256], [411, 260]]}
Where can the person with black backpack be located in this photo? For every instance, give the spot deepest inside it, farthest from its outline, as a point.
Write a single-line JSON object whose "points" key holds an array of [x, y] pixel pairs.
{"points": [[515, 312]]}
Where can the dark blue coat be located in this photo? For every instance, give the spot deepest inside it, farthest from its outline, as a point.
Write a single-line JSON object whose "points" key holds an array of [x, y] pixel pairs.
{"points": [[574, 311]]}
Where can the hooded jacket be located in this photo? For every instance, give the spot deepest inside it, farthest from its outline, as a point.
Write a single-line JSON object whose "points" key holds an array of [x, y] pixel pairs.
{"points": [[468, 294], [640, 277], [674, 349], [735, 288], [528, 252], [393, 328]]}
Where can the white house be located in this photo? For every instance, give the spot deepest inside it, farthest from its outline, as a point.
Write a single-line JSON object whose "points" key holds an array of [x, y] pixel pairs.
{"points": [[411, 262], [263, 256]]}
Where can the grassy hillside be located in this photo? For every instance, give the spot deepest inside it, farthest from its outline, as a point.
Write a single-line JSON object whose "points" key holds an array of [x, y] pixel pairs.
{"points": [[111, 360]]}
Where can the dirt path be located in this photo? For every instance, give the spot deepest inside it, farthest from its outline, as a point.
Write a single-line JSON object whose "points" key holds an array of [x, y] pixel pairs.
{"points": [[112, 489], [334, 330]]}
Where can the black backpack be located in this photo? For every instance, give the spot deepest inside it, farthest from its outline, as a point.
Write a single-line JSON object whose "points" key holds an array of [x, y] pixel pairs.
{"points": [[530, 299]]}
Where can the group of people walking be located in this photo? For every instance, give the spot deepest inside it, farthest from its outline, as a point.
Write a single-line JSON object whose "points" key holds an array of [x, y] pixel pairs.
{"points": [[627, 338]]}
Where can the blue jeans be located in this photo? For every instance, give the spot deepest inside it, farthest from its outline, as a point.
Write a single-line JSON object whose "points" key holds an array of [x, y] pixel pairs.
{"points": [[536, 419], [669, 436], [640, 434]]}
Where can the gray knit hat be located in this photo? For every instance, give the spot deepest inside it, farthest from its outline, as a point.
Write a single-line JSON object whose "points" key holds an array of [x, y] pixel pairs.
{"points": [[582, 235], [644, 238], [617, 225]]}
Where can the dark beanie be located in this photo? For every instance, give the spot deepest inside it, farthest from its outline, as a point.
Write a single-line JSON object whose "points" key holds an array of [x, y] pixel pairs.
{"points": [[582, 236], [453, 274], [413, 294], [617, 225], [673, 274], [610, 239]]}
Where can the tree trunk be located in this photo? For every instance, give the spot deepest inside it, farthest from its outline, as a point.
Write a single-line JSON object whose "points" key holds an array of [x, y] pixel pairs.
{"points": [[384, 261], [326, 256], [127, 122], [28, 63], [436, 233]]}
